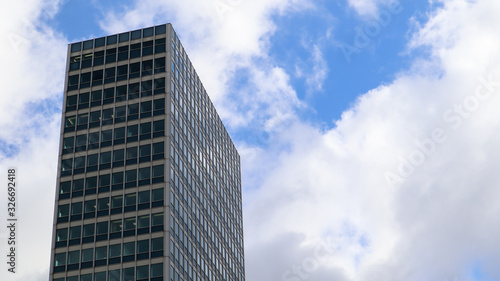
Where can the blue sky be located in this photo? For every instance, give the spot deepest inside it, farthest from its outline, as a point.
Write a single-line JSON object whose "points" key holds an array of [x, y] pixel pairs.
{"points": [[344, 113]]}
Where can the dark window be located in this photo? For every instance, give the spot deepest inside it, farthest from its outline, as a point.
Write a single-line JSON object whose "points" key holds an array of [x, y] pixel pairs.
{"points": [[123, 53], [65, 187], [74, 63], [146, 109], [104, 181], [159, 107], [70, 121], [105, 158], [87, 60], [63, 211], [97, 77], [76, 208], [107, 116], [109, 96], [83, 120], [116, 202], [109, 75], [98, 58], [110, 55], [100, 253], [133, 90], [124, 37], [159, 45], [136, 34], [133, 111], [75, 47], [157, 194], [88, 230], [118, 157], [158, 150], [89, 44], [145, 131], [121, 72], [99, 42], [159, 65], [135, 69], [85, 80], [132, 132], [73, 82], [95, 120], [146, 88], [106, 136], [83, 100], [158, 173], [135, 50], [121, 93], [147, 48], [159, 87], [145, 152], [146, 32], [131, 176], [111, 39], [62, 234], [158, 128], [160, 29], [96, 98], [119, 136], [81, 142], [147, 67], [92, 161], [71, 102], [68, 145], [91, 183]]}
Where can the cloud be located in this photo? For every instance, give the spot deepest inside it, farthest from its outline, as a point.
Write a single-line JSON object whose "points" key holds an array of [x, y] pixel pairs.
{"points": [[32, 77]]}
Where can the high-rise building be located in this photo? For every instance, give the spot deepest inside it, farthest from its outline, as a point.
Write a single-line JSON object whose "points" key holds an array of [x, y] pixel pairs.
{"points": [[149, 184]]}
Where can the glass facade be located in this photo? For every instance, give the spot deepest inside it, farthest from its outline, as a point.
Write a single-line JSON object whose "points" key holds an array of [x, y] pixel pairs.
{"points": [[149, 184]]}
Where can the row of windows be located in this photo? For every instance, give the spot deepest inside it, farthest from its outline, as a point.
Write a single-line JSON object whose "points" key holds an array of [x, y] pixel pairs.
{"points": [[115, 74], [127, 274], [113, 55], [117, 115], [128, 226], [123, 37], [112, 95], [102, 205]]}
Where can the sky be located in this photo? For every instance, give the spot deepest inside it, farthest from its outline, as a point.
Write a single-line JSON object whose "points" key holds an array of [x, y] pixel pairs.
{"points": [[368, 129]]}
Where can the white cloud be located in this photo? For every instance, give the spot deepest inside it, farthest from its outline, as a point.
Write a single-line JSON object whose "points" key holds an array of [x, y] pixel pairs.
{"points": [[32, 77], [371, 8]]}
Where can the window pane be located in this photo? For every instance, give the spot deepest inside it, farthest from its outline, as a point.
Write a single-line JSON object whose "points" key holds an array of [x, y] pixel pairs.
{"points": [[97, 95], [142, 246], [88, 230], [157, 194], [144, 173], [116, 226], [105, 157], [143, 272], [90, 206], [129, 248], [115, 250], [74, 257], [119, 133], [70, 121], [101, 253], [87, 255], [60, 259], [146, 106], [158, 148], [65, 187], [104, 180], [130, 199], [75, 232], [76, 208], [114, 275], [100, 276], [118, 155], [106, 135], [157, 244], [86, 277], [91, 183], [132, 131], [144, 196], [145, 150], [68, 142], [92, 160], [63, 211], [129, 223], [71, 100], [103, 204], [95, 117], [145, 128], [128, 274], [143, 221], [131, 152], [157, 219], [118, 178], [158, 171], [117, 201], [102, 227], [131, 176], [157, 270], [62, 234], [78, 185]]}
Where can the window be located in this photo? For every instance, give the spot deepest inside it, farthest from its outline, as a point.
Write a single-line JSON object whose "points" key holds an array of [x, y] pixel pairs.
{"points": [[89, 44], [71, 103], [157, 197], [159, 65], [145, 153], [63, 211], [115, 251], [159, 86], [146, 88], [146, 109], [68, 144], [74, 257], [83, 120], [90, 183], [74, 63], [122, 72], [136, 34], [94, 139], [157, 270], [129, 248], [158, 173], [111, 39], [135, 50], [84, 79], [133, 111], [130, 199], [107, 117], [142, 246], [118, 180], [99, 42], [73, 82], [121, 93], [128, 274], [158, 128], [96, 98], [102, 227], [146, 32], [143, 272], [100, 276], [87, 255], [62, 235], [159, 45], [124, 37], [104, 181], [160, 29], [147, 67], [158, 150], [116, 226], [92, 162], [117, 202], [123, 53], [119, 135], [110, 55], [60, 259], [83, 100], [132, 132], [145, 131], [98, 58], [75, 47], [75, 232], [135, 69], [132, 154], [109, 96], [147, 48], [144, 176], [90, 206], [143, 222], [109, 75], [97, 77], [81, 142], [70, 121], [66, 167], [65, 187], [105, 159], [133, 90], [157, 219], [129, 224], [87, 60], [131, 177], [88, 230], [100, 253], [144, 197], [77, 185], [76, 208], [120, 114]]}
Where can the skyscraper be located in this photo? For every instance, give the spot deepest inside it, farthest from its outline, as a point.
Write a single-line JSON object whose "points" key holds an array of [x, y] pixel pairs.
{"points": [[149, 184]]}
